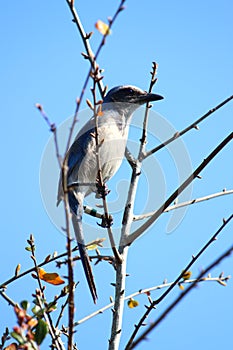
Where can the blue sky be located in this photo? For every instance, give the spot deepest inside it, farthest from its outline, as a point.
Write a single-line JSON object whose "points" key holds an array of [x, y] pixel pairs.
{"points": [[41, 62]]}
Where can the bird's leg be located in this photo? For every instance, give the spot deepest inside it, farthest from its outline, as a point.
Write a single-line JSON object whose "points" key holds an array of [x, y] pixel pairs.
{"points": [[106, 221], [102, 190]]}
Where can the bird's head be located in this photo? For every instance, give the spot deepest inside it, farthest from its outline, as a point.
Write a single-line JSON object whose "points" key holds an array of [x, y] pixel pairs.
{"points": [[128, 98]]}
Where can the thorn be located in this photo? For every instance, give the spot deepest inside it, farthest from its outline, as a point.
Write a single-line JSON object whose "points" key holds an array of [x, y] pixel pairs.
{"points": [[177, 134], [86, 57], [39, 106], [196, 127], [88, 35]]}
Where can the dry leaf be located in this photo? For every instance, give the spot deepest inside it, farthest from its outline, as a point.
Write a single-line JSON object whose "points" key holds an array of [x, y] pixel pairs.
{"points": [[132, 303], [52, 277], [186, 275], [102, 27]]}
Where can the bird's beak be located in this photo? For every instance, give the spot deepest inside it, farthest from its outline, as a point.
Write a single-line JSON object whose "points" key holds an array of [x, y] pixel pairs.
{"points": [[148, 97]]}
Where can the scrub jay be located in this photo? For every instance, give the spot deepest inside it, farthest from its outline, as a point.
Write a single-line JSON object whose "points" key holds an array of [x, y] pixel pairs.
{"points": [[113, 126]]}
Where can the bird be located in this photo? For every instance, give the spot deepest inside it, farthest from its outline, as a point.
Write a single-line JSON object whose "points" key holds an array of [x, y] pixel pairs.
{"points": [[117, 109]]}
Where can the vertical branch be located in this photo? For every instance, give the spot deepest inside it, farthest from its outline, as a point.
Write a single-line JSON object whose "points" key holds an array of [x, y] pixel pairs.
{"points": [[93, 60], [64, 168], [41, 296], [148, 105], [126, 226], [100, 183], [69, 257], [85, 38]]}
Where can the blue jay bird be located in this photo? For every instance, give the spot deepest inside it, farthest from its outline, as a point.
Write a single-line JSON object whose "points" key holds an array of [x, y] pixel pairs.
{"points": [[118, 106]]}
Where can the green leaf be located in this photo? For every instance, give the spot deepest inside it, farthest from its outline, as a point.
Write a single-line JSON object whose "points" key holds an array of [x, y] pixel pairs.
{"points": [[37, 310], [24, 304], [52, 306], [17, 337], [41, 331]]}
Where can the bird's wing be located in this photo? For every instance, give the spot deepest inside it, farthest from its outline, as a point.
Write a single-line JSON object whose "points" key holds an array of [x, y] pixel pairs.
{"points": [[76, 154]]}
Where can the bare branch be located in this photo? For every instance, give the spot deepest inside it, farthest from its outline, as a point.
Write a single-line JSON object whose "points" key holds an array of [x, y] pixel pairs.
{"points": [[157, 301], [53, 129], [7, 298], [137, 233], [192, 126], [179, 298], [42, 300], [100, 183], [184, 204], [85, 38], [102, 43], [126, 225], [218, 279]]}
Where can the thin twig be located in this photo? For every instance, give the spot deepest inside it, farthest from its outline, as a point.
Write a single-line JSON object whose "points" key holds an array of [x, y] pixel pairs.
{"points": [[137, 233], [102, 43], [45, 262], [69, 256], [53, 129], [184, 204], [100, 182], [40, 294], [52, 331], [194, 125], [61, 312], [157, 301], [7, 298], [218, 279], [179, 298], [85, 38], [146, 117]]}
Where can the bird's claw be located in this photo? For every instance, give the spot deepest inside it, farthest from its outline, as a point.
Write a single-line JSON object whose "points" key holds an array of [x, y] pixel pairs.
{"points": [[102, 191], [106, 221]]}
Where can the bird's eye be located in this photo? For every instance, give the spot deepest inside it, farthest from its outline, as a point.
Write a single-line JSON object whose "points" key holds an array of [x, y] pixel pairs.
{"points": [[130, 91]]}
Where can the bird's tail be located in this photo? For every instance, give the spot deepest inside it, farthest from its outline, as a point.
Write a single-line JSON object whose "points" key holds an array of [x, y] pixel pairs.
{"points": [[77, 224], [88, 270]]}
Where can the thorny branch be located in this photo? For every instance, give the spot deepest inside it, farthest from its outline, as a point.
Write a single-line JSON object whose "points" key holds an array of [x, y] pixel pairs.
{"points": [[184, 204], [40, 296], [194, 125], [194, 259], [125, 231], [94, 59], [137, 233], [101, 187], [180, 297], [63, 167], [220, 279]]}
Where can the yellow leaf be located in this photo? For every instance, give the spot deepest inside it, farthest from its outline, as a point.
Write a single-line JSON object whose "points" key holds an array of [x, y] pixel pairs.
{"points": [[186, 275], [52, 278], [181, 286], [32, 322], [102, 27], [92, 246], [17, 270], [132, 303]]}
